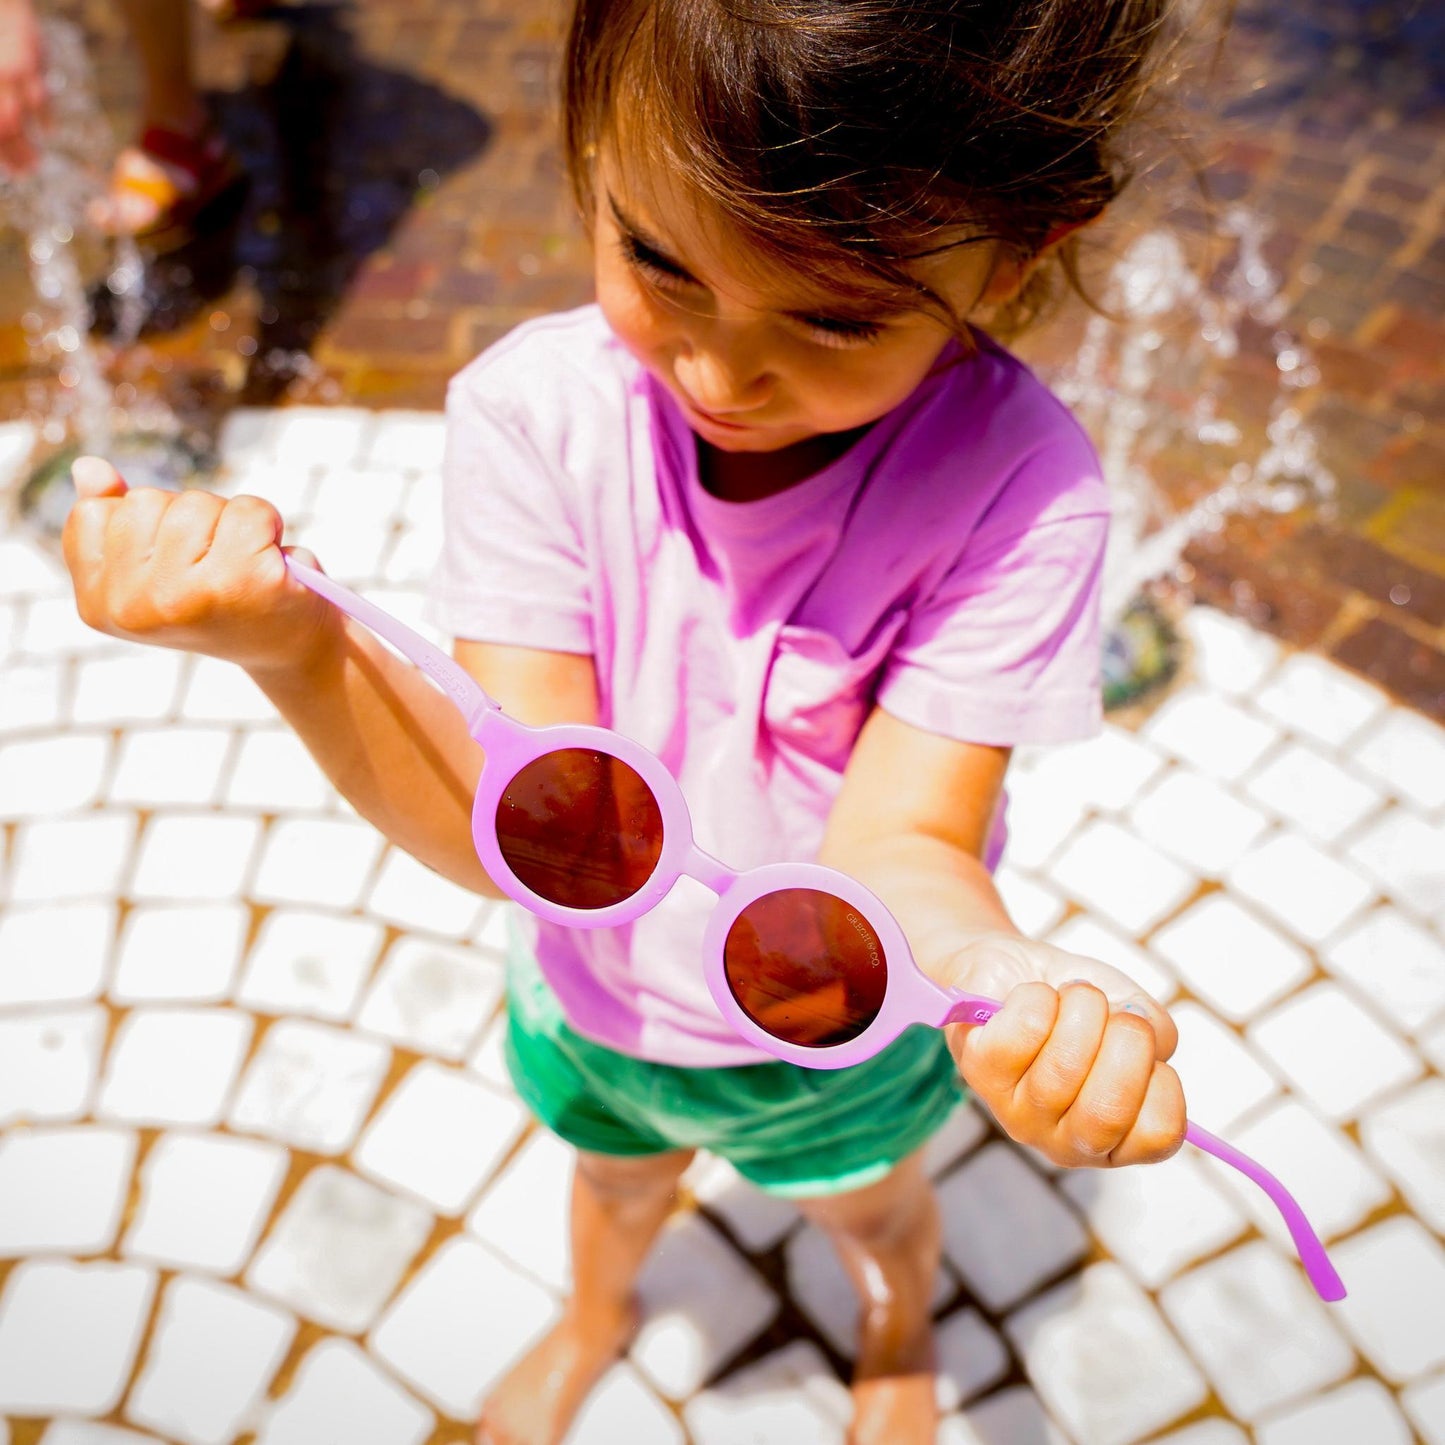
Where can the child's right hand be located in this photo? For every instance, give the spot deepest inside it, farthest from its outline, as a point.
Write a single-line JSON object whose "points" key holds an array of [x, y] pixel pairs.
{"points": [[190, 570]]}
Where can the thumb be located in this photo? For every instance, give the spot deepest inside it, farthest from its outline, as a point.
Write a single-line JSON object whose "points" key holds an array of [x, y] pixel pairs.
{"points": [[95, 477], [305, 556]]}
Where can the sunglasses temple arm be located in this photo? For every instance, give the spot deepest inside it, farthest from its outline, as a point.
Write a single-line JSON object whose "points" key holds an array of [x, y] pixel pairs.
{"points": [[454, 680], [973, 1009]]}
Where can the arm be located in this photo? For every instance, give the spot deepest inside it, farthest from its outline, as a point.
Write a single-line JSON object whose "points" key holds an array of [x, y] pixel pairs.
{"points": [[1060, 1066], [189, 570]]}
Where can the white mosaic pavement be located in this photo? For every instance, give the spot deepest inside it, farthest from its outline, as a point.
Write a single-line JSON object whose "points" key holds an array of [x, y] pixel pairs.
{"points": [[262, 1176]]}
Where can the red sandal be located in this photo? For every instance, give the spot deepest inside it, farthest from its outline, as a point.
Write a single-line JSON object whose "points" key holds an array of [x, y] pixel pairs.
{"points": [[195, 183]]}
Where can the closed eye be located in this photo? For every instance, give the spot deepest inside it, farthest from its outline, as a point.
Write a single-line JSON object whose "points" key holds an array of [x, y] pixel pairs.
{"points": [[840, 331], [652, 264]]}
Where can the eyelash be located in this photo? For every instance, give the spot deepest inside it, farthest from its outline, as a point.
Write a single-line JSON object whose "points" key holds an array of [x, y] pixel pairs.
{"points": [[824, 330]]}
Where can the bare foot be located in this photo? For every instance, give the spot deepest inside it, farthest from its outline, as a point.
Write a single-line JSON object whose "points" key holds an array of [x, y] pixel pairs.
{"points": [[893, 1391], [537, 1400]]}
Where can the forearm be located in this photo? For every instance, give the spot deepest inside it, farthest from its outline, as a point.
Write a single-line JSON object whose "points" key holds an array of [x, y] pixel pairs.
{"points": [[391, 744], [942, 896]]}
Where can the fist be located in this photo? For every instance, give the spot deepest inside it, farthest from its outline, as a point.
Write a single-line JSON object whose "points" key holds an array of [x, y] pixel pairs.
{"points": [[189, 570], [1073, 1064]]}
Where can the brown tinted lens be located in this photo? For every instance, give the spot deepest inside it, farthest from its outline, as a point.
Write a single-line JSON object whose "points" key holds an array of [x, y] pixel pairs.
{"points": [[580, 828], [806, 967]]}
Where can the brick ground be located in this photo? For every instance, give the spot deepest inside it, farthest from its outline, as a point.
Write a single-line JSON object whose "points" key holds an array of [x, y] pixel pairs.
{"points": [[408, 209]]}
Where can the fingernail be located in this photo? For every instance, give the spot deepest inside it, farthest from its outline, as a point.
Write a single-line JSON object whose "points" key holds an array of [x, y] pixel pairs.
{"points": [[1134, 1008]]}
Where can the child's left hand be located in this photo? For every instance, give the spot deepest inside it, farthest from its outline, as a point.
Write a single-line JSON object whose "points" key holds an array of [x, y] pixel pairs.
{"points": [[1073, 1063]]}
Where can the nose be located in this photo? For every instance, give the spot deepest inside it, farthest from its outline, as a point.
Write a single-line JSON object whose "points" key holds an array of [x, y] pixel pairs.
{"points": [[723, 370]]}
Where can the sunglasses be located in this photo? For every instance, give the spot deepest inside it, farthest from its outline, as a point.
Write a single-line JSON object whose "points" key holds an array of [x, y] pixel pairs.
{"points": [[584, 827]]}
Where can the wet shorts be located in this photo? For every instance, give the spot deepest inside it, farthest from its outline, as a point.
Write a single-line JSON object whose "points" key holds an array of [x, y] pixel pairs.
{"points": [[792, 1131]]}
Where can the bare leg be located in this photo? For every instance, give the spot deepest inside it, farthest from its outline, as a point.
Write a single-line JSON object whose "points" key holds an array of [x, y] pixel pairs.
{"points": [[889, 1239], [618, 1206]]}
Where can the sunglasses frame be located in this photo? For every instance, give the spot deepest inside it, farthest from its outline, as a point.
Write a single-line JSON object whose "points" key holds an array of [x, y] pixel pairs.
{"points": [[910, 996]]}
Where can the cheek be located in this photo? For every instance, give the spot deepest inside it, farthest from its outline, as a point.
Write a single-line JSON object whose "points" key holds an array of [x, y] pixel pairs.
{"points": [[635, 318]]}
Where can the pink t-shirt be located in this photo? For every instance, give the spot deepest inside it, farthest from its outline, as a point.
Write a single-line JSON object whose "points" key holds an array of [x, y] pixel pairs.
{"points": [[945, 568]]}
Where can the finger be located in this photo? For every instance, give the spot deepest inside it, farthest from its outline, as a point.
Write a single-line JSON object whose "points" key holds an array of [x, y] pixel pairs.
{"points": [[247, 531], [184, 534], [130, 533], [994, 1057], [1158, 1131], [1058, 1073], [95, 477], [1112, 1095]]}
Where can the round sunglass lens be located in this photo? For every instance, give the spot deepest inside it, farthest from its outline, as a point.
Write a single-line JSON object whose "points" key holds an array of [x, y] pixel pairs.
{"points": [[580, 828], [806, 967]]}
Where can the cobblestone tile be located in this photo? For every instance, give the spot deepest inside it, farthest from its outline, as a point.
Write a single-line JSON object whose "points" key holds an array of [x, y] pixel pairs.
{"points": [[316, 861], [411, 895], [1215, 735], [340, 1393], [524, 1213], [204, 1201], [1395, 964], [181, 953], [459, 1323], [1407, 1137], [621, 1407], [1197, 822], [40, 777], [75, 941], [791, 1395], [197, 856], [1103, 1360], [1299, 784], [1112, 873], [49, 1062], [439, 1135], [339, 1249], [1425, 1405], [1360, 1410], [213, 1353], [71, 858], [1222, 1078], [1406, 752], [69, 1335], [1003, 1418], [310, 963], [1403, 852], [1004, 1228], [1085, 935], [1261, 1336], [274, 773], [1307, 890], [62, 1191], [174, 1066], [1396, 1275], [167, 766]]}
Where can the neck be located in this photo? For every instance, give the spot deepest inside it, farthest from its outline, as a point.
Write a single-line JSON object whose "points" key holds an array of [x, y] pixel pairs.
{"points": [[749, 476]]}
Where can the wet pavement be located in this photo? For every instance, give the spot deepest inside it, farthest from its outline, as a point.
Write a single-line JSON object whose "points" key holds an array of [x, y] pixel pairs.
{"points": [[230, 1015]]}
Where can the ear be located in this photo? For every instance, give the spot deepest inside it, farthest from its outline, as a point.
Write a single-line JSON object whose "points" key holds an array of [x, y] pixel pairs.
{"points": [[1010, 271]]}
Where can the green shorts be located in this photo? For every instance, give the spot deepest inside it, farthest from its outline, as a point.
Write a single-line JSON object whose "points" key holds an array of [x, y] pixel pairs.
{"points": [[792, 1131]]}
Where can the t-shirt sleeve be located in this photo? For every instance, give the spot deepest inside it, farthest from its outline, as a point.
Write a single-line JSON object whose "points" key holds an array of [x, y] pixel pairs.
{"points": [[1005, 649], [512, 567]]}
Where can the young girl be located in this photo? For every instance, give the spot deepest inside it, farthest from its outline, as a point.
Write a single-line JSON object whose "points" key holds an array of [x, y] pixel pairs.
{"points": [[779, 509]]}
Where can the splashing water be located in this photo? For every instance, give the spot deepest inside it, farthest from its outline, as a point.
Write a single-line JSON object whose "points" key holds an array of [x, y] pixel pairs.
{"points": [[1159, 380]]}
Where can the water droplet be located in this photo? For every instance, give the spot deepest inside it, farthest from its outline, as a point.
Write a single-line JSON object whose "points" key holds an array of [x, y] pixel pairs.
{"points": [[67, 338], [219, 321], [247, 346], [1399, 594], [69, 377]]}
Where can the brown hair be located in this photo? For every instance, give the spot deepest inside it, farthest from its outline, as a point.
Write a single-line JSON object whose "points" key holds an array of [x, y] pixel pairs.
{"points": [[845, 135]]}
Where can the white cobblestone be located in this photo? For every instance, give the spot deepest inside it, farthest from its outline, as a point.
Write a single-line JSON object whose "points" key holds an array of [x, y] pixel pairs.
{"points": [[1004, 1229], [789, 1397], [274, 773], [138, 685], [40, 777], [970, 1356], [1407, 856], [64, 858], [174, 1065], [460, 1321], [1222, 1079], [62, 1190], [1406, 752], [340, 1394], [1424, 1403], [213, 1353], [1228, 654], [1229, 959], [432, 997], [1257, 1329], [1304, 888], [69, 1335], [1407, 1137], [55, 953], [316, 861], [678, 1346], [1362, 1410], [216, 691], [1105, 772], [1333, 1182], [30, 698], [339, 1249], [49, 1062], [172, 766], [1394, 963], [439, 1135], [1216, 735], [621, 1407], [525, 1213], [1103, 1360], [1395, 1311], [1198, 822], [310, 1086], [180, 953], [194, 856], [1108, 869], [1005, 1418], [204, 1201], [307, 962], [1307, 1036], [1033, 907], [1312, 696], [1313, 792], [1157, 1220], [1085, 935]]}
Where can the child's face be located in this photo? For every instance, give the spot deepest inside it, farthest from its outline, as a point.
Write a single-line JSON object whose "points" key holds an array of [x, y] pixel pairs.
{"points": [[757, 359]]}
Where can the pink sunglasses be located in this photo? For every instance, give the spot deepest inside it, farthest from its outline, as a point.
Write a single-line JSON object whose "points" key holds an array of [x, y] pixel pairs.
{"points": [[584, 827]]}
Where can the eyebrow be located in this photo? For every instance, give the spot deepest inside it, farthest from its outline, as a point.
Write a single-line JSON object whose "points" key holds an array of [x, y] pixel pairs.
{"points": [[842, 309]]}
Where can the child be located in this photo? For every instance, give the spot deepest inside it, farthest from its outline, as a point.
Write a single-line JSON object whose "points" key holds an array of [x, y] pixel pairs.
{"points": [[778, 509]]}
